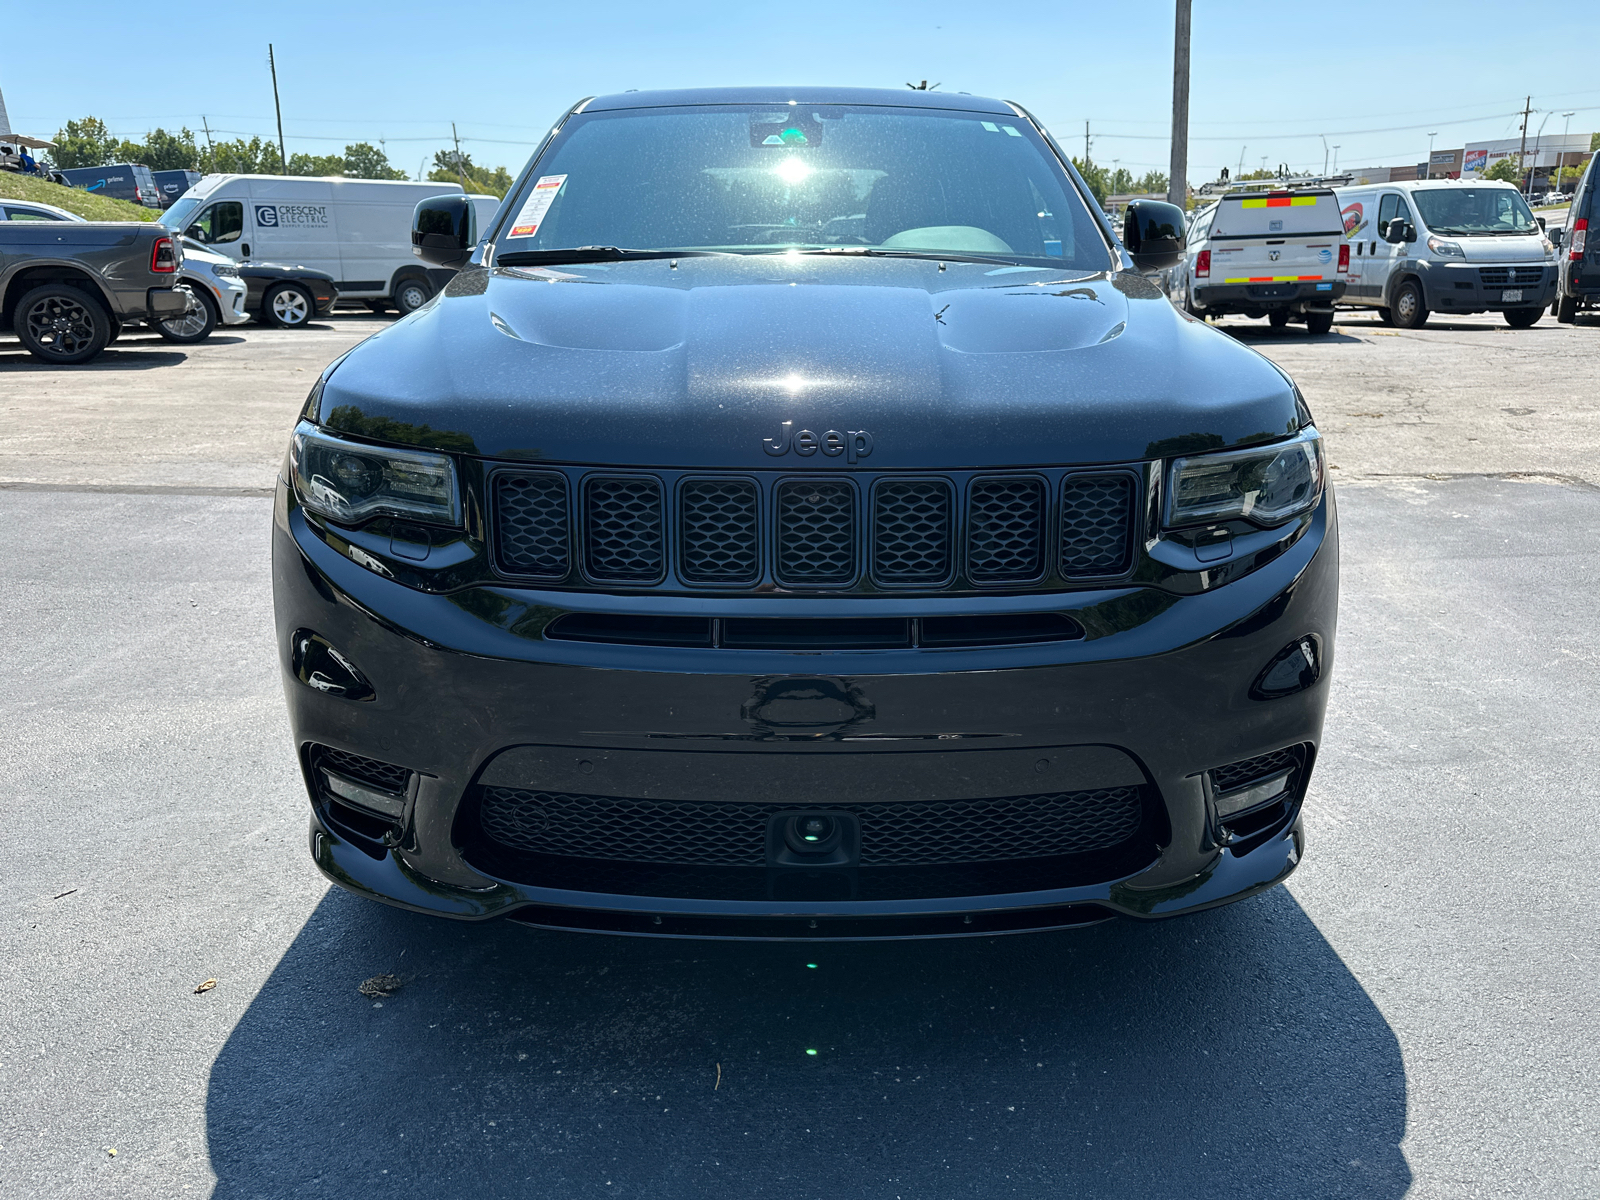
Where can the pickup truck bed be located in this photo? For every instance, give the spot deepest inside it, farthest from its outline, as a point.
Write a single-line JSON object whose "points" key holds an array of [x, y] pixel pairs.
{"points": [[67, 287]]}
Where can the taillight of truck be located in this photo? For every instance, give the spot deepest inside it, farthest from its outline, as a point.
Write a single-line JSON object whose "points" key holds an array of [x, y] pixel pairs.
{"points": [[1202, 264], [1580, 237], [163, 257], [1344, 258]]}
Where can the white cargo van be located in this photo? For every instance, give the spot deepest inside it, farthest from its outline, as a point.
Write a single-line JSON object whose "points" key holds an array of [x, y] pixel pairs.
{"points": [[1274, 252], [357, 230], [1446, 246]]}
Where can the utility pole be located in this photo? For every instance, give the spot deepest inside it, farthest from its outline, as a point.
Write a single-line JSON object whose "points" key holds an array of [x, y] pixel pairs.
{"points": [[1178, 165], [460, 173], [283, 155], [1428, 174], [1522, 147], [1086, 159], [211, 150]]}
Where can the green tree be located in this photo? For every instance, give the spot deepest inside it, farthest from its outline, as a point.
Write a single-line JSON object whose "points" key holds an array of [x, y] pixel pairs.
{"points": [[1097, 177], [365, 161], [476, 179], [85, 143], [239, 157], [1506, 168], [163, 151], [1120, 182], [1152, 183], [316, 164], [1594, 142]]}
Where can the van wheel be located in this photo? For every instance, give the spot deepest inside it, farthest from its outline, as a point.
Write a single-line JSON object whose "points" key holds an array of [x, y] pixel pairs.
{"points": [[194, 326], [61, 325], [1566, 309], [288, 306], [411, 294], [1410, 312], [1523, 318], [1319, 323]]}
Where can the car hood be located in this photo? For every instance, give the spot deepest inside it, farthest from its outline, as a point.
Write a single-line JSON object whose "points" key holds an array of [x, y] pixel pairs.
{"points": [[696, 362], [1519, 247]]}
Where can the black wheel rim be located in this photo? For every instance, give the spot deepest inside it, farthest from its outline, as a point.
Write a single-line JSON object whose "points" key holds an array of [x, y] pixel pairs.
{"points": [[61, 326]]}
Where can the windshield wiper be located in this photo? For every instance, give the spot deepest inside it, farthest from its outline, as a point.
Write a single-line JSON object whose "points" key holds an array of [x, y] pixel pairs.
{"points": [[584, 254]]}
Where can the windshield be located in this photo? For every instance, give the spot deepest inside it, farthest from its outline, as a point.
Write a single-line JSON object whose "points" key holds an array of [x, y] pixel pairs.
{"points": [[177, 217], [1474, 211], [758, 178]]}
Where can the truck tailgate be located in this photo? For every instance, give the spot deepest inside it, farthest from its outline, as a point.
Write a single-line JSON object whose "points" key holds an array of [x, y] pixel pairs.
{"points": [[1276, 239]]}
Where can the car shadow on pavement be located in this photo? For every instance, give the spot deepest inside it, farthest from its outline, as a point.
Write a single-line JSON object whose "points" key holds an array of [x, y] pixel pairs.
{"points": [[1231, 1054], [1250, 334], [132, 359]]}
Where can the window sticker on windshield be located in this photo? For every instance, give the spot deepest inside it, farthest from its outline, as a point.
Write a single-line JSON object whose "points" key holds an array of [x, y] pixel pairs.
{"points": [[990, 126], [1011, 129], [537, 204]]}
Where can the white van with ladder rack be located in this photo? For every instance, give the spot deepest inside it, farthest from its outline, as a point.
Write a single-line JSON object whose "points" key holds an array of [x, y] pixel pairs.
{"points": [[1272, 252]]}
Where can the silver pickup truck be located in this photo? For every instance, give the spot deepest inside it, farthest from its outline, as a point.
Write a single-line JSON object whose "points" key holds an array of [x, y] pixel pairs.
{"points": [[66, 288]]}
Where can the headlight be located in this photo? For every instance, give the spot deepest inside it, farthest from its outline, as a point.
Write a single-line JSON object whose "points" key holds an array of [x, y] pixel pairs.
{"points": [[349, 482], [1445, 249], [225, 270], [1266, 484]]}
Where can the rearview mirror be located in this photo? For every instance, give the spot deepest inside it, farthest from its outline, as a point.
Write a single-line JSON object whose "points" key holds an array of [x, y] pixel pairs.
{"points": [[443, 231], [1153, 232]]}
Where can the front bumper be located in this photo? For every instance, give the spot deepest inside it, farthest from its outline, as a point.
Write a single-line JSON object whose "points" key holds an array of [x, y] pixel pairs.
{"points": [[1484, 287], [230, 302], [459, 696]]}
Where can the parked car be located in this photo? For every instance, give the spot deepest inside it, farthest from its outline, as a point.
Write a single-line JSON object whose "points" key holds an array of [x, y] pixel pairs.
{"points": [[356, 230], [1446, 246], [219, 294], [121, 181], [287, 296], [67, 287], [1278, 254], [1578, 254], [33, 210], [858, 545], [174, 184]]}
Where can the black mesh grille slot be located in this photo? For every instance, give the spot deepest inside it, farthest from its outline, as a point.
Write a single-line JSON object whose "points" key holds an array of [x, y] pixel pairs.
{"points": [[1526, 275], [1005, 534], [734, 834], [386, 776], [718, 531], [1248, 770], [1096, 525], [1495, 276], [531, 525], [816, 532], [622, 529], [911, 532]]}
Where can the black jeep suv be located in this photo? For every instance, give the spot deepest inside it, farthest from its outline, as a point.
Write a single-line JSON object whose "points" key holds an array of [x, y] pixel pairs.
{"points": [[801, 518]]}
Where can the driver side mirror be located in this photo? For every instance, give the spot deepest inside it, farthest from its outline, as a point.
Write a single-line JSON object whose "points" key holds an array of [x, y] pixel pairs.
{"points": [[1153, 232], [443, 230], [1400, 230], [1557, 237], [194, 231]]}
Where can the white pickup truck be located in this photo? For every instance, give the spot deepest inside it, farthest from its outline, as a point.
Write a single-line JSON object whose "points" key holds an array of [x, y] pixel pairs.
{"points": [[1279, 254]]}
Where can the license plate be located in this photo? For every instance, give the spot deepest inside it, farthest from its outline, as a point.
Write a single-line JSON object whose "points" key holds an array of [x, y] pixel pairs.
{"points": [[1514, 296]]}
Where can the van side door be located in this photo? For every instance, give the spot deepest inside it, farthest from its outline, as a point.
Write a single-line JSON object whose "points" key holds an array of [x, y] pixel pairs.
{"points": [[1381, 255]]}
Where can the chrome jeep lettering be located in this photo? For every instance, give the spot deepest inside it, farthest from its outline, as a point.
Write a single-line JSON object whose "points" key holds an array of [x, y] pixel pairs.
{"points": [[854, 444]]}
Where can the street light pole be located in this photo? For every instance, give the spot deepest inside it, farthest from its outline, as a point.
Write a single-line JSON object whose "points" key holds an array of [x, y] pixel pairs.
{"points": [[1324, 155], [1536, 140], [1561, 159], [1428, 174], [1178, 165], [1336, 159]]}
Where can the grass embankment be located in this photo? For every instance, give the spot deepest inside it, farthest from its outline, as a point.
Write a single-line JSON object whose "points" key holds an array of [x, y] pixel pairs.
{"points": [[86, 204]]}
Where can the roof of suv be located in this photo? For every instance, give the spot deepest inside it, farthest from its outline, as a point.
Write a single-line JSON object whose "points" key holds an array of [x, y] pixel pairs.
{"points": [[906, 98]]}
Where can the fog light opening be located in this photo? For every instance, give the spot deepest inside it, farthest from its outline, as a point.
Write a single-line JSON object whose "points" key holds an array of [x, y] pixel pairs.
{"points": [[1267, 791], [369, 799], [1293, 669]]}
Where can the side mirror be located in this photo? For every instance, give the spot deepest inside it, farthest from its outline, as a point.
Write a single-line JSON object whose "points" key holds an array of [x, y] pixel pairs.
{"points": [[442, 231], [1399, 230], [1557, 237], [1541, 222], [1153, 231]]}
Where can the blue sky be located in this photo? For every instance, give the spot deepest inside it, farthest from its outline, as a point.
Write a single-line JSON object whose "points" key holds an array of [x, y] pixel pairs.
{"points": [[1268, 77]]}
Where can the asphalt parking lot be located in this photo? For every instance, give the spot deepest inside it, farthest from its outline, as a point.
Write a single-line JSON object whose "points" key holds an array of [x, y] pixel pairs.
{"points": [[1411, 1015]]}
